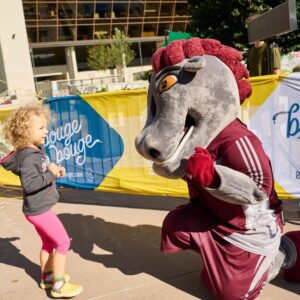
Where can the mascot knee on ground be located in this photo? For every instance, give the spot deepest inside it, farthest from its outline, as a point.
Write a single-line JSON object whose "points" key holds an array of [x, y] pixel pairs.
{"points": [[192, 131]]}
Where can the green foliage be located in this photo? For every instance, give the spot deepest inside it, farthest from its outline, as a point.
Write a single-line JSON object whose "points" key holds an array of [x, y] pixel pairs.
{"points": [[226, 21], [120, 51], [147, 74], [98, 58], [103, 89], [117, 53]]}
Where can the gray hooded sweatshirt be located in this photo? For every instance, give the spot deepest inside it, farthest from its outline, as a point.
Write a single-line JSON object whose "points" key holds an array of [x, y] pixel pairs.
{"points": [[38, 183]]}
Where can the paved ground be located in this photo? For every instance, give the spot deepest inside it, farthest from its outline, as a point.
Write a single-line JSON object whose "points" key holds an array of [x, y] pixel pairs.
{"points": [[115, 250]]}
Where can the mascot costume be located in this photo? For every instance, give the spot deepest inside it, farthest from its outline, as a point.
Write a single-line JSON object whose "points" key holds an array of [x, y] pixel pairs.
{"points": [[233, 218]]}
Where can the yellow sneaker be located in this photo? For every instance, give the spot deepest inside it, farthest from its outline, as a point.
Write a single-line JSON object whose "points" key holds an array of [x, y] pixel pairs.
{"points": [[68, 290], [47, 284]]}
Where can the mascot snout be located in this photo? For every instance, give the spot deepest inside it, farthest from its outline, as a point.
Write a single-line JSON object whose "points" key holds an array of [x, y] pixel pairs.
{"points": [[192, 96]]}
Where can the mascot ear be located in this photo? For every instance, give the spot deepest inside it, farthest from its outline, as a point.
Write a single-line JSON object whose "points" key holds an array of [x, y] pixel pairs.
{"points": [[194, 64]]}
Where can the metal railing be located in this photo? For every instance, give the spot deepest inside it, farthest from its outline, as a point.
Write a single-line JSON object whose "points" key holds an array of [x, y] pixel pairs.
{"points": [[60, 88]]}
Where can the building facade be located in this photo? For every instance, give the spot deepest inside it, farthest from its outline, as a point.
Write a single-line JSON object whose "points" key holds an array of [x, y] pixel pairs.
{"points": [[16, 74], [59, 31]]}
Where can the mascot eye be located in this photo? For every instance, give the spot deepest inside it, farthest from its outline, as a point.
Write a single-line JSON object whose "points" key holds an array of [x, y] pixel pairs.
{"points": [[167, 83]]}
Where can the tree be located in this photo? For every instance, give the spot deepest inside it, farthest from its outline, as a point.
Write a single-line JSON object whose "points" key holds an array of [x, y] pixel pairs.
{"points": [[226, 21], [98, 58], [120, 52], [115, 54]]}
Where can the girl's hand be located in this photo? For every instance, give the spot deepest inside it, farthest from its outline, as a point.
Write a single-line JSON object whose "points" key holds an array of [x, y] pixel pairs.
{"points": [[62, 171], [55, 169]]}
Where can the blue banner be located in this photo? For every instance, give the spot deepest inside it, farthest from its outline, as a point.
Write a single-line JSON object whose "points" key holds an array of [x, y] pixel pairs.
{"points": [[82, 141]]}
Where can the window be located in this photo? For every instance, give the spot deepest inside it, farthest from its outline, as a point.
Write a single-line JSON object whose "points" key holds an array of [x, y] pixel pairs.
{"points": [[120, 10], [149, 30], [49, 56], [46, 11], [66, 33], [47, 34], [181, 9], [163, 27], [84, 32], [179, 27], [81, 57], [29, 11], [151, 9], [66, 10], [166, 9], [134, 30], [32, 35], [148, 49], [103, 10], [85, 10], [102, 29], [136, 10]]}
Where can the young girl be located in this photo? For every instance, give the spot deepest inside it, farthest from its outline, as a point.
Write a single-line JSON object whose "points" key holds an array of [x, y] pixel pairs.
{"points": [[26, 130]]}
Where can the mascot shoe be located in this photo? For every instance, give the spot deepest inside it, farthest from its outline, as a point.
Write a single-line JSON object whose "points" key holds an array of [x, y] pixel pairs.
{"points": [[293, 273]]}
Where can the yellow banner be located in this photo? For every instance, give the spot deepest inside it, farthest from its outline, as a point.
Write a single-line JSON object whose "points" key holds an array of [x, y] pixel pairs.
{"points": [[125, 112], [5, 113], [6, 177]]}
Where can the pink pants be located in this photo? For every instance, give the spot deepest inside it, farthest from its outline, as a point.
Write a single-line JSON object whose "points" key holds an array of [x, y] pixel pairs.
{"points": [[52, 232], [229, 273]]}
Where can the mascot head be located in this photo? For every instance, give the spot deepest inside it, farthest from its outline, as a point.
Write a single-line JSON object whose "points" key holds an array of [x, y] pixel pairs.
{"points": [[195, 91]]}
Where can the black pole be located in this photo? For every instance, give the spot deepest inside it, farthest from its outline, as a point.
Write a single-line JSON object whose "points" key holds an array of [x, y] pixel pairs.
{"points": [[33, 67], [140, 53], [271, 59], [166, 36], [270, 56]]}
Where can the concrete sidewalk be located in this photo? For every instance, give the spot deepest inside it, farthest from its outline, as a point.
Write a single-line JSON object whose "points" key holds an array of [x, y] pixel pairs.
{"points": [[115, 250]]}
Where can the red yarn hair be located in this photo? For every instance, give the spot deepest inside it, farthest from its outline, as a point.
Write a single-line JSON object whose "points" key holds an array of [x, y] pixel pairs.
{"points": [[178, 50]]}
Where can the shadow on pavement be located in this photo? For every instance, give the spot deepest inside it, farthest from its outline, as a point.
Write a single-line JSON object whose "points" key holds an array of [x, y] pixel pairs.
{"points": [[132, 250], [135, 249], [10, 192], [69, 195], [289, 286], [291, 210], [10, 255]]}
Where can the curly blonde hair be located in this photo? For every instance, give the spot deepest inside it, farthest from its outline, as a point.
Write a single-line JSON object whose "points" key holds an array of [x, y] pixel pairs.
{"points": [[18, 126]]}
